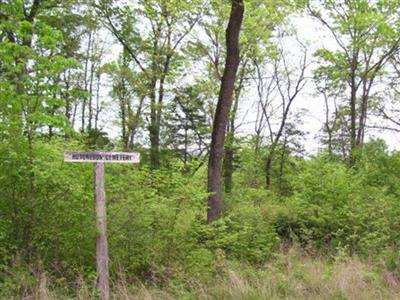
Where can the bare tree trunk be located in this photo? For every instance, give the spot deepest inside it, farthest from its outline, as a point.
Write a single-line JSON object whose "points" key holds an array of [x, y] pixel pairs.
{"points": [[124, 113], [90, 103], [154, 129], [123, 116], [186, 154], [366, 88], [282, 165], [268, 165], [329, 129], [84, 100], [135, 123], [222, 111], [154, 126], [96, 116], [74, 114], [353, 116], [156, 115]]}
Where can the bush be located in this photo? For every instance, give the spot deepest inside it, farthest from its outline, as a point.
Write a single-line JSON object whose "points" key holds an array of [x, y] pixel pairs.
{"points": [[151, 214], [244, 234], [317, 209], [47, 206], [336, 208]]}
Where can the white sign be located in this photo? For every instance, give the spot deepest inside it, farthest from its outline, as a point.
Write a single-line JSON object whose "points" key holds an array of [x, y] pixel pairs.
{"points": [[105, 157]]}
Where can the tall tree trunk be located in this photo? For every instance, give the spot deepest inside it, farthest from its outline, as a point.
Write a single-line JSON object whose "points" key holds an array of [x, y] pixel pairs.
{"points": [[353, 109], [281, 166], [123, 116], [90, 103], [268, 166], [135, 123], [96, 116], [156, 114], [124, 102], [154, 129], [185, 154], [86, 82], [366, 88], [154, 126], [124, 112], [222, 111]]}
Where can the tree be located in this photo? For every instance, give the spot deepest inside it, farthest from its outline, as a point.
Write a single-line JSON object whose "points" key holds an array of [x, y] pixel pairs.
{"points": [[128, 92], [366, 35], [222, 111], [31, 63], [284, 80], [187, 130], [335, 133], [154, 49], [387, 109], [254, 41]]}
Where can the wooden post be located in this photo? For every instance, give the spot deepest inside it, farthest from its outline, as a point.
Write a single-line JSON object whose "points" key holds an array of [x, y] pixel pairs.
{"points": [[102, 245]]}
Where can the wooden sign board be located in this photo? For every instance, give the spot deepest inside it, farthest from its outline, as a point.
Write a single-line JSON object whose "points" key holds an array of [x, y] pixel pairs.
{"points": [[102, 245], [102, 157]]}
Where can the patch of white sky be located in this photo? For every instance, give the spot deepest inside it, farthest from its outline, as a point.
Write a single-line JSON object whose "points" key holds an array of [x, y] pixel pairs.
{"points": [[310, 32]]}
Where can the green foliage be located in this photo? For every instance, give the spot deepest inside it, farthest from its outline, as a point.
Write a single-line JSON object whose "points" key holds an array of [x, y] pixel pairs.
{"points": [[156, 218], [245, 234], [339, 208], [19, 281], [152, 213], [58, 213]]}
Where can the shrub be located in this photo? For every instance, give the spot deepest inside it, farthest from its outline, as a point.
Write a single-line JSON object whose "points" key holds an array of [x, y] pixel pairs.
{"points": [[245, 233], [339, 208]]}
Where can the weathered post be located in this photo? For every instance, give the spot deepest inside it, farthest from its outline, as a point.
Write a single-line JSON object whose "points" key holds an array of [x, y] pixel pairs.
{"points": [[102, 244], [100, 158]]}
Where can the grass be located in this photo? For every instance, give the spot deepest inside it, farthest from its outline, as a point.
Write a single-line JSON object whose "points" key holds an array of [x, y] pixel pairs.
{"points": [[290, 275]]}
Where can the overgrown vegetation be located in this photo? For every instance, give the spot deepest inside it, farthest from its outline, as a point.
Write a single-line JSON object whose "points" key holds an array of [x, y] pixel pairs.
{"points": [[335, 234]]}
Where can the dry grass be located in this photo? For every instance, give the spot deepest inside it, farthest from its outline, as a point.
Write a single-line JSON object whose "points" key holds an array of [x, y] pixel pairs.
{"points": [[297, 276], [292, 275]]}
